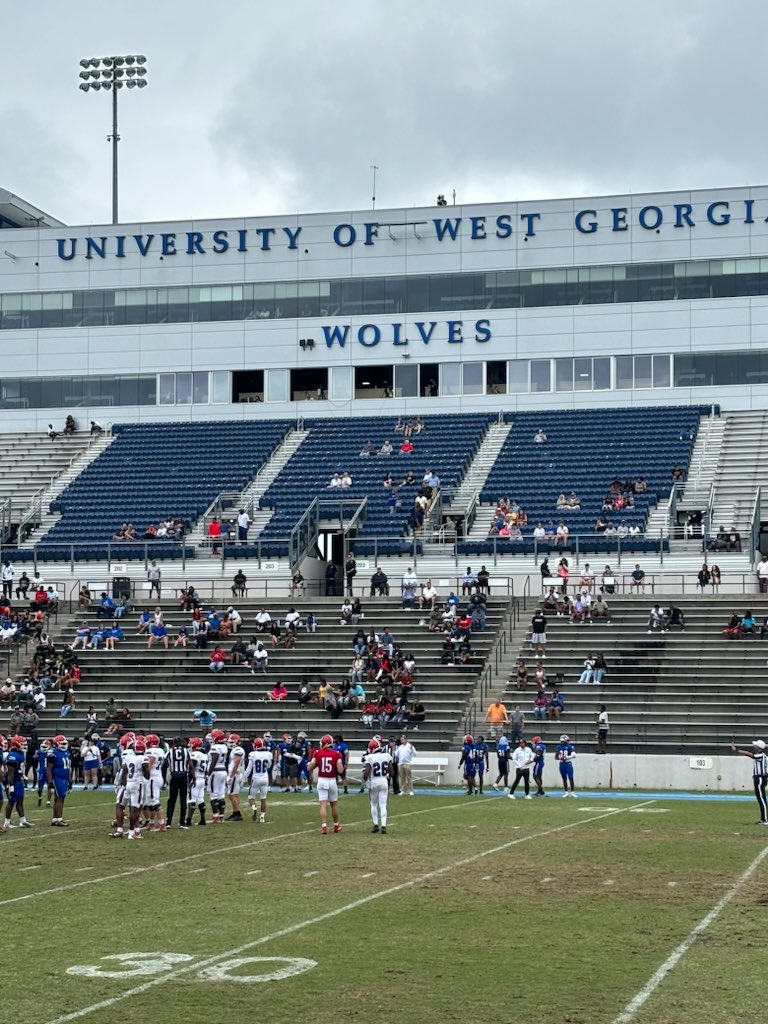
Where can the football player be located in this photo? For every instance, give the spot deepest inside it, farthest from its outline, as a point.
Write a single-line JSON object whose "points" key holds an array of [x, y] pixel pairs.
{"points": [[539, 751], [198, 770], [565, 755], [330, 767], [502, 755], [342, 746], [3, 749], [217, 775], [156, 759], [235, 767], [256, 778], [41, 758], [59, 774], [136, 778], [377, 773], [125, 747], [467, 761], [15, 765], [481, 761]]}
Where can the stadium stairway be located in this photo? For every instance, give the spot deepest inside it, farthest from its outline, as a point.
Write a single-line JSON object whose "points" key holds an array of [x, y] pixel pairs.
{"points": [[478, 470], [30, 461], [162, 688], [689, 692], [743, 465]]}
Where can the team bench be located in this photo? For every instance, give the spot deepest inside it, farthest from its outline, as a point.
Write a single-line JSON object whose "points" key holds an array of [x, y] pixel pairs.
{"points": [[429, 770]]}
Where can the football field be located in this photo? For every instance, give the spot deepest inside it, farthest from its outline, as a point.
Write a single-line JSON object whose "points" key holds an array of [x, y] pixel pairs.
{"points": [[545, 911]]}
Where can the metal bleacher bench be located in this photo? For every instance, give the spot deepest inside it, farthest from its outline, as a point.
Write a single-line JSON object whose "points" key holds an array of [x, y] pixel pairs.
{"points": [[429, 770]]}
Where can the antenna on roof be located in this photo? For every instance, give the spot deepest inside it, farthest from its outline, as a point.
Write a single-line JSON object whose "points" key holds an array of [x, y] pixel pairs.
{"points": [[374, 168]]}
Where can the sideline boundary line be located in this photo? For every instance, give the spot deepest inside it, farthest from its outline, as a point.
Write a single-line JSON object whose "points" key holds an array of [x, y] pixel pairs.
{"points": [[159, 865], [105, 1004], [635, 1004]]}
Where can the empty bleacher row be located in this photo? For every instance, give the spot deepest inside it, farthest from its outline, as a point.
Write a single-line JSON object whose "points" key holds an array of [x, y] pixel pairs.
{"points": [[688, 693]]}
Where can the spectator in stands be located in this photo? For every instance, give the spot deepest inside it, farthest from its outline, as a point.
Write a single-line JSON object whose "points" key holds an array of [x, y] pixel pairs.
{"points": [[608, 581], [69, 426], [350, 571], [556, 706], [601, 667], [297, 583], [675, 618], [243, 524], [578, 610], [154, 577], [52, 434], [379, 583], [677, 474], [330, 579], [96, 428], [112, 635], [748, 623], [409, 586], [8, 573], [539, 634], [564, 574], [540, 437], [205, 718], [428, 596], [158, 631], [733, 628], [218, 660], [22, 586], [346, 480], [182, 636], [366, 450], [386, 449], [561, 535], [600, 610], [278, 692], [263, 621], [468, 581], [588, 670], [657, 619], [704, 576], [407, 447], [483, 580], [587, 576], [214, 535], [521, 675], [638, 578], [8, 692], [335, 481], [762, 574], [239, 582], [540, 706], [259, 658]]}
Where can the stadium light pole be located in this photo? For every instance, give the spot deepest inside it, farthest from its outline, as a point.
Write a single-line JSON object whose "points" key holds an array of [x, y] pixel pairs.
{"points": [[112, 74]]}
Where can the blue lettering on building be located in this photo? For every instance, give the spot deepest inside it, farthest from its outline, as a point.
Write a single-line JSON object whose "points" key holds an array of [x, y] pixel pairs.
{"points": [[370, 335]]}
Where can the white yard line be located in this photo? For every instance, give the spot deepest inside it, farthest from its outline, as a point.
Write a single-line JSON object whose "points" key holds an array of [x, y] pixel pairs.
{"points": [[630, 1010], [50, 835], [128, 872], [105, 1004]]}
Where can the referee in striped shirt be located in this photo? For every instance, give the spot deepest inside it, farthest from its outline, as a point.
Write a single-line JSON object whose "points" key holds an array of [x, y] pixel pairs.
{"points": [[179, 767], [759, 774]]}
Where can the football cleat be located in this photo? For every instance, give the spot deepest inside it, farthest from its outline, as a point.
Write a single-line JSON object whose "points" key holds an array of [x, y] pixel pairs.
{"points": [[337, 828], [373, 746]]}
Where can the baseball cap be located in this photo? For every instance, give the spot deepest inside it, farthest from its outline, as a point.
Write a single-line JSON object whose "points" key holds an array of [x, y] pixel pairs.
{"points": [[760, 744]]}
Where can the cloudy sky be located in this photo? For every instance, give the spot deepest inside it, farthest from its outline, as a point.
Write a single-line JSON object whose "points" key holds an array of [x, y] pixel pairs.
{"points": [[259, 107]]}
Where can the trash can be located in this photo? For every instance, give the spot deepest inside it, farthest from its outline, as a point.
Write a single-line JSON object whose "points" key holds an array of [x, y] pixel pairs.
{"points": [[121, 586]]}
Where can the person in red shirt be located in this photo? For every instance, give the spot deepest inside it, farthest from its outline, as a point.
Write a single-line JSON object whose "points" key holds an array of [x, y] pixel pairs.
{"points": [[330, 765], [214, 535], [218, 660]]}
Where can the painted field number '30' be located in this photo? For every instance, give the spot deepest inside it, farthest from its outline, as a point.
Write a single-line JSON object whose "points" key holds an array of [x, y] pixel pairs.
{"points": [[144, 965]]}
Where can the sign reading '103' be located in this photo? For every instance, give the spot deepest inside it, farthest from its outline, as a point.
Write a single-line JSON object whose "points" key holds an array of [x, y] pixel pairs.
{"points": [[443, 229]]}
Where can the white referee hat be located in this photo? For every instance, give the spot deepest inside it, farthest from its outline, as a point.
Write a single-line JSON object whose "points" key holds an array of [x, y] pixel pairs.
{"points": [[760, 744]]}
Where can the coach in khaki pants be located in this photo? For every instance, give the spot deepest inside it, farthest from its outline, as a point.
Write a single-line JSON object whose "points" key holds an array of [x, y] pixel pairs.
{"points": [[405, 754]]}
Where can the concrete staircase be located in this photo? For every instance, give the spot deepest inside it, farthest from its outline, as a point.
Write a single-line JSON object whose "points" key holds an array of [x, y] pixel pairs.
{"points": [[29, 461], [77, 463], [479, 468], [705, 459], [249, 498], [742, 467]]}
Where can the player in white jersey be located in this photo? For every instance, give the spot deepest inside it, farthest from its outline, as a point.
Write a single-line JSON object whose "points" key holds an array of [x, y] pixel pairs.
{"points": [[235, 769], [217, 775], [377, 773], [198, 768], [156, 756], [134, 778], [126, 743], [256, 778]]}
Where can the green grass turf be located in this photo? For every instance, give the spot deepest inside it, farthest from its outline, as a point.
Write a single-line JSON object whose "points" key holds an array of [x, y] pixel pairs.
{"points": [[565, 926]]}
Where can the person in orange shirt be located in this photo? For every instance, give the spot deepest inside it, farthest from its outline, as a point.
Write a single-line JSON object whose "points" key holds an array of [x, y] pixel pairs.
{"points": [[497, 717]]}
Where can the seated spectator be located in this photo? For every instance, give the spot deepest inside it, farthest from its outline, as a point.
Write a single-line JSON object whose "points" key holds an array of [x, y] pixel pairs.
{"points": [[182, 635], [238, 652], [561, 535], [573, 501], [346, 480], [259, 659], [484, 580], [145, 621], [304, 696], [335, 481], [366, 450], [589, 670], [601, 524], [657, 619], [346, 612], [587, 576], [386, 449], [263, 621], [600, 610], [675, 618], [428, 595], [407, 447], [539, 437], [521, 675], [540, 706], [640, 485], [8, 692], [234, 618], [748, 623], [704, 576], [733, 628], [214, 535], [556, 706], [677, 475], [112, 635], [540, 676], [189, 599], [239, 583], [634, 529], [608, 582], [275, 632], [278, 692], [638, 578], [552, 602], [23, 586], [562, 501], [733, 540], [578, 612], [409, 587], [158, 631], [622, 530], [297, 584], [122, 607], [218, 660]]}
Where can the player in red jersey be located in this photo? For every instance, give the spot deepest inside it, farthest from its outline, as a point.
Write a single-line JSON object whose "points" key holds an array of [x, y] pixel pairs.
{"points": [[330, 766]]}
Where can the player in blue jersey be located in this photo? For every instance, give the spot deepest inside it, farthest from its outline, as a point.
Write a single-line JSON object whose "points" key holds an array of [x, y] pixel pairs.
{"points": [[481, 761], [502, 755], [468, 763], [565, 755], [59, 768], [15, 766], [40, 758], [342, 746], [539, 751]]}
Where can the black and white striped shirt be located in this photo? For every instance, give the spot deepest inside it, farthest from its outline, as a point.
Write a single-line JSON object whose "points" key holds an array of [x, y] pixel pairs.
{"points": [[178, 760], [759, 764]]}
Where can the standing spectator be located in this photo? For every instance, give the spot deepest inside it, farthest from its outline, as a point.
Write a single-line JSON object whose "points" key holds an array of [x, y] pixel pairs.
{"points": [[8, 572], [214, 535], [497, 717], [205, 718], [759, 774], [405, 754], [602, 728], [762, 574], [516, 725], [153, 575], [330, 580], [243, 522], [350, 571], [539, 634], [484, 580], [523, 758]]}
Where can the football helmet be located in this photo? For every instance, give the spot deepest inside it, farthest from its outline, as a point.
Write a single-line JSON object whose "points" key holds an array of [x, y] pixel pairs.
{"points": [[47, 744], [536, 740], [195, 743], [233, 740], [326, 740], [565, 738], [469, 739], [140, 745], [3, 743], [373, 746], [153, 740], [127, 740], [217, 736], [60, 742], [17, 741], [258, 743]]}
